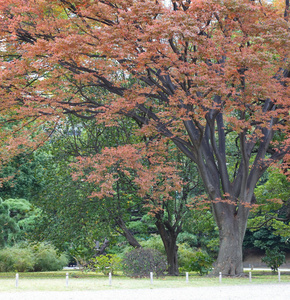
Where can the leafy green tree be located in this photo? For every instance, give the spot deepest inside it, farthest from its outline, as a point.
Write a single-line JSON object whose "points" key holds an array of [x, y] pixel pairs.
{"points": [[274, 258], [8, 226], [200, 231], [268, 225], [265, 238], [21, 175], [124, 206], [66, 206], [67, 215], [25, 214], [18, 220]]}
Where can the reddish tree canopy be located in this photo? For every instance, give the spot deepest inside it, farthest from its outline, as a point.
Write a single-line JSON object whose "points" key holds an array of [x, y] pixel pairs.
{"points": [[198, 74]]}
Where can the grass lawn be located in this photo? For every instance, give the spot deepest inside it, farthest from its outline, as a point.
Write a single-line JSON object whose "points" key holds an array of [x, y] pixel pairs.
{"points": [[56, 281]]}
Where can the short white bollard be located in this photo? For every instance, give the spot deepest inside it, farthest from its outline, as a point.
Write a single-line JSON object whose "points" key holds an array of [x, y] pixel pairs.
{"points": [[220, 277], [279, 275], [250, 276], [16, 280], [66, 279], [151, 277], [186, 275], [110, 279]]}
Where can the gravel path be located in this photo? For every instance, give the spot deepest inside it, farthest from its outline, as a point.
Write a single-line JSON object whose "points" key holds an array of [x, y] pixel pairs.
{"points": [[279, 291]]}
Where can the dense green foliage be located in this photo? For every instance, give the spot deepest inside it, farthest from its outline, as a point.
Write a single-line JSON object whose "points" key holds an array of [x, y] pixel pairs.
{"points": [[68, 211], [265, 238], [16, 259], [200, 231], [274, 258], [47, 258], [107, 263], [17, 220], [8, 226], [73, 221], [23, 257], [268, 226], [22, 175], [194, 260]]}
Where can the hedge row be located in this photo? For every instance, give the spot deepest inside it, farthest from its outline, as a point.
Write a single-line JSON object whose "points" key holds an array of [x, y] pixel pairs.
{"points": [[39, 257]]}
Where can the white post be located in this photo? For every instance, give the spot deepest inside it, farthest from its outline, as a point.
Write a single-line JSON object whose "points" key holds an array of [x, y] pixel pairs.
{"points": [[220, 277], [151, 277], [186, 275], [250, 276], [279, 275], [110, 278], [66, 279], [16, 280]]}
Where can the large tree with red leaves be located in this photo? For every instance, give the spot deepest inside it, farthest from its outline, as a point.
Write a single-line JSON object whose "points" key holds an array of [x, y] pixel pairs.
{"points": [[194, 75]]}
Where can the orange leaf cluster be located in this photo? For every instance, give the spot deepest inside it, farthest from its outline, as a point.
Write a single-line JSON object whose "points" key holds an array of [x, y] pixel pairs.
{"points": [[191, 73]]}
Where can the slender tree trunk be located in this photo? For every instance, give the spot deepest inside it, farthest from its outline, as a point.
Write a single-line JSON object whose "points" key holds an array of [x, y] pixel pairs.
{"points": [[232, 223], [127, 233], [169, 237], [172, 259], [101, 250]]}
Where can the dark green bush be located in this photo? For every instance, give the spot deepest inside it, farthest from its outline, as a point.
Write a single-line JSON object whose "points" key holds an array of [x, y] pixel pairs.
{"points": [[274, 258], [140, 262]]}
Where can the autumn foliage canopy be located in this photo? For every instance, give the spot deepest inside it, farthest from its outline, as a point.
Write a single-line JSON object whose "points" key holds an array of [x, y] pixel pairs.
{"points": [[177, 72], [196, 75]]}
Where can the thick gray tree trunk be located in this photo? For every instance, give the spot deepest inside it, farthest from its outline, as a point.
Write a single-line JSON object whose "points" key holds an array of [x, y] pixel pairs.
{"points": [[232, 223]]}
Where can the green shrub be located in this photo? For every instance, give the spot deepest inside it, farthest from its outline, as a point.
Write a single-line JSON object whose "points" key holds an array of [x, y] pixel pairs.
{"points": [[16, 259], [140, 262], [23, 258], [274, 258], [201, 263], [47, 258], [81, 254], [154, 242], [107, 263], [187, 238], [197, 261], [185, 256]]}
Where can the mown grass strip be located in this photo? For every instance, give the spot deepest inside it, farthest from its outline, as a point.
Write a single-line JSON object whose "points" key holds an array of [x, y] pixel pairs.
{"points": [[56, 281]]}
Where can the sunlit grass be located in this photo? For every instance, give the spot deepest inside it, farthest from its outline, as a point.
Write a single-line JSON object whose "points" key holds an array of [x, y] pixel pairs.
{"points": [[56, 281]]}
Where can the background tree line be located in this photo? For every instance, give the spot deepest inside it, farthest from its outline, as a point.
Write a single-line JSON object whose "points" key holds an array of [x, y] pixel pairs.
{"points": [[60, 211]]}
